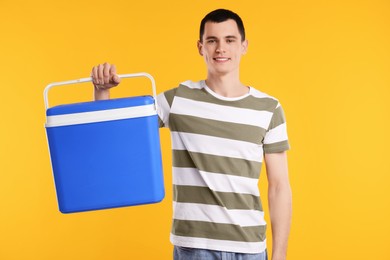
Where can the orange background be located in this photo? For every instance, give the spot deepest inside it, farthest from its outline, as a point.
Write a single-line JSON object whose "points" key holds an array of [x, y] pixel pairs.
{"points": [[328, 62]]}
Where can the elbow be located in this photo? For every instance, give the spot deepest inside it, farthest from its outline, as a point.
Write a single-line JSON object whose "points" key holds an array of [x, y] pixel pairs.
{"points": [[279, 189]]}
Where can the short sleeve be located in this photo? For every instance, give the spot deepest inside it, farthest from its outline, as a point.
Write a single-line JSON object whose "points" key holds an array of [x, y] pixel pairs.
{"points": [[276, 139], [164, 101], [162, 110]]}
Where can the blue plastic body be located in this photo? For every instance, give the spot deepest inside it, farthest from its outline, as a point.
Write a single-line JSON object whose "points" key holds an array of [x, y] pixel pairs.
{"points": [[106, 164]]}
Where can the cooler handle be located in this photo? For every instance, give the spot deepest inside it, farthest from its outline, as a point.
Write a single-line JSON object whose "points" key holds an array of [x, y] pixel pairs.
{"points": [[82, 80]]}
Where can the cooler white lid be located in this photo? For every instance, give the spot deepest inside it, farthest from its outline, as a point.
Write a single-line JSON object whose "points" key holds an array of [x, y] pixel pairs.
{"points": [[100, 116]]}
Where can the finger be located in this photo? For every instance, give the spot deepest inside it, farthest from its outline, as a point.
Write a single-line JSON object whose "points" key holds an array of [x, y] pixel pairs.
{"points": [[114, 77], [94, 75], [113, 69], [106, 73], [100, 74]]}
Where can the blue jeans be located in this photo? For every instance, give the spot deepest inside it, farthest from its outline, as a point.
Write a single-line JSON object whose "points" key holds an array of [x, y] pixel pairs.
{"points": [[185, 253]]}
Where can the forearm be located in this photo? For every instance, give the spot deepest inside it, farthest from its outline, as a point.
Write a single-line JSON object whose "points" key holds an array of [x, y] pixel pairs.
{"points": [[280, 208], [101, 94]]}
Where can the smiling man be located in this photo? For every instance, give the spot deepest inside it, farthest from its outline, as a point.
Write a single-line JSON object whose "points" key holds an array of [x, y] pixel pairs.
{"points": [[222, 131]]}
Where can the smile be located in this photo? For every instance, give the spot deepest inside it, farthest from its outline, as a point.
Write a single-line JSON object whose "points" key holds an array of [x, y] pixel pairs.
{"points": [[221, 59]]}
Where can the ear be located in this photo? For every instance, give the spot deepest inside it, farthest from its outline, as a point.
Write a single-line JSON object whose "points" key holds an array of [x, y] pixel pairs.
{"points": [[244, 45], [200, 48]]}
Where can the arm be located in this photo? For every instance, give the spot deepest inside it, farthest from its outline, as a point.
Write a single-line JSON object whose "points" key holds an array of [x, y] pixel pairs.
{"points": [[104, 77], [101, 94], [279, 200]]}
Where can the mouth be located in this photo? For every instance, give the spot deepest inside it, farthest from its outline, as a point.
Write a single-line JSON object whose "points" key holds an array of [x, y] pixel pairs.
{"points": [[221, 59]]}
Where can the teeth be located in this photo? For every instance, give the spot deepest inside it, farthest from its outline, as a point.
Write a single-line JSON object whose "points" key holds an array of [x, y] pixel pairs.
{"points": [[221, 59]]}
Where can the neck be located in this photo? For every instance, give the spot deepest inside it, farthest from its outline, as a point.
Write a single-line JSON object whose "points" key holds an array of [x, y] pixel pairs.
{"points": [[226, 85]]}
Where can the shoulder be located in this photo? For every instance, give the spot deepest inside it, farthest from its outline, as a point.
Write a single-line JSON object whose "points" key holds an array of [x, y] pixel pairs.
{"points": [[192, 84], [183, 87], [259, 94], [264, 100], [189, 84]]}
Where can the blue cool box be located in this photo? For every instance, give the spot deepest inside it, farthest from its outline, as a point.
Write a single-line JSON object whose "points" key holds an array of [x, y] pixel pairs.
{"points": [[105, 154]]}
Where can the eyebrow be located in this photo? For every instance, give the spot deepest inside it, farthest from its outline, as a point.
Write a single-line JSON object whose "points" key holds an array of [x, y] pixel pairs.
{"points": [[226, 37]]}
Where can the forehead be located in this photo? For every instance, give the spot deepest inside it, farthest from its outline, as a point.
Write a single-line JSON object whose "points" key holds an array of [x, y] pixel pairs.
{"points": [[221, 30]]}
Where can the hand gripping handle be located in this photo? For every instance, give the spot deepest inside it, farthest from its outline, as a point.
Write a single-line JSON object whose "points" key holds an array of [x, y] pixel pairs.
{"points": [[82, 80]]}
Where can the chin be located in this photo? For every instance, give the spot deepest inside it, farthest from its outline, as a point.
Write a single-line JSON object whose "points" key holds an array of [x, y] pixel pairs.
{"points": [[221, 72]]}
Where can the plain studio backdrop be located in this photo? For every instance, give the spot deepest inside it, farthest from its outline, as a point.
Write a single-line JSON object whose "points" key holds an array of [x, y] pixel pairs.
{"points": [[328, 62]]}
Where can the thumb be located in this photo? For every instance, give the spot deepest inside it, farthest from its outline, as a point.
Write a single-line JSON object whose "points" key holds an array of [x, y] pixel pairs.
{"points": [[116, 79]]}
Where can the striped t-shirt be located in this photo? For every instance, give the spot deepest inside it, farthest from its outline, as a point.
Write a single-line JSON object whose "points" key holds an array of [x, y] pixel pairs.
{"points": [[218, 145]]}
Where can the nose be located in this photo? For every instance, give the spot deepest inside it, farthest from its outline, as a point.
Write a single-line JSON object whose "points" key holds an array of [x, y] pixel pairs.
{"points": [[220, 47]]}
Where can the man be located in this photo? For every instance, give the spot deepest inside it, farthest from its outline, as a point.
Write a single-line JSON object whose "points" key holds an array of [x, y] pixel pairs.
{"points": [[221, 129]]}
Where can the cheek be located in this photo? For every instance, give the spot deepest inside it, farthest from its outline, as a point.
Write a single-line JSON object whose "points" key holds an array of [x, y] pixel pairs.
{"points": [[205, 53]]}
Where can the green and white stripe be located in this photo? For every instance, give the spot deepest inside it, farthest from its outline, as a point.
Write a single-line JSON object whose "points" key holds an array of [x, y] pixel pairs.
{"points": [[215, 181], [218, 145], [205, 144]]}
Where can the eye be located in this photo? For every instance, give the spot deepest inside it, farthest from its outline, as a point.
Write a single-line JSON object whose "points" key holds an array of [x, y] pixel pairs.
{"points": [[210, 41], [229, 40]]}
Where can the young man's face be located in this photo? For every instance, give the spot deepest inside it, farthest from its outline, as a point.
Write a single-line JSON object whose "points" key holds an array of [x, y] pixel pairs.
{"points": [[222, 47]]}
